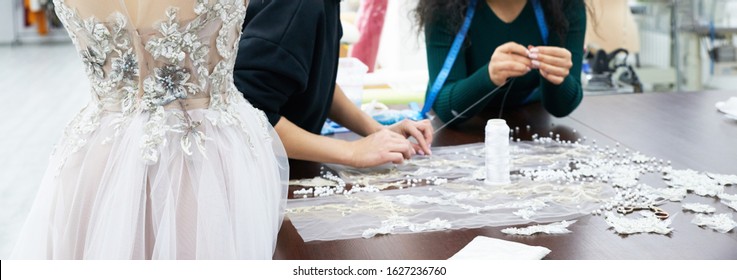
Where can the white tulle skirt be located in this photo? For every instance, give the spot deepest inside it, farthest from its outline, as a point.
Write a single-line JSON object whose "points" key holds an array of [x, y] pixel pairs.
{"points": [[104, 201]]}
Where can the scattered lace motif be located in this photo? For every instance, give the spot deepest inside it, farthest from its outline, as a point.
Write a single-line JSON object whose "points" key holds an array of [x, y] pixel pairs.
{"points": [[314, 182], [721, 222], [525, 213], [672, 194], [697, 182], [397, 224], [726, 196], [554, 228], [725, 180], [698, 208], [731, 203], [647, 223]]}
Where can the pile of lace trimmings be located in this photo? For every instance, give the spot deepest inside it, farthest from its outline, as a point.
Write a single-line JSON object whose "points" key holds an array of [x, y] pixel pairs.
{"points": [[552, 181]]}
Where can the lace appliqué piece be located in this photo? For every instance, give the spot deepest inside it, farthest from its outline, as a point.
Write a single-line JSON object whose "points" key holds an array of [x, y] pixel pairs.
{"points": [[125, 66], [171, 81], [105, 43], [188, 128], [313, 182], [727, 196], [93, 61], [154, 135], [724, 180], [168, 83], [698, 208], [554, 228], [182, 58], [731, 203], [156, 128], [77, 132], [228, 116], [647, 223], [721, 222], [101, 44], [525, 213], [396, 223], [697, 182], [672, 194]]}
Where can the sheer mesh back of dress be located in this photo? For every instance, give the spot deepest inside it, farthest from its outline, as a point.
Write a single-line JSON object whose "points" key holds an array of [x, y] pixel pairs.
{"points": [[160, 50]]}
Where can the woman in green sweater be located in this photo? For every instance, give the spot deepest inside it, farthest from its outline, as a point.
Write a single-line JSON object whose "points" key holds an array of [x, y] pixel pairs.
{"points": [[505, 41]]}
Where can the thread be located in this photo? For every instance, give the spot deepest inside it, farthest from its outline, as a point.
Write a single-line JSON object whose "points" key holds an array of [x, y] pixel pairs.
{"points": [[510, 82], [498, 160]]}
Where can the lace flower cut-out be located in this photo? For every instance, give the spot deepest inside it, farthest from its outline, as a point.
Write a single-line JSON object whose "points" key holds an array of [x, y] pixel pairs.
{"points": [[168, 84]]}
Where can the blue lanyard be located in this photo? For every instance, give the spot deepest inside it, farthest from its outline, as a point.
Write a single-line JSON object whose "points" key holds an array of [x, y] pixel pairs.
{"points": [[449, 60], [456, 47], [540, 15]]}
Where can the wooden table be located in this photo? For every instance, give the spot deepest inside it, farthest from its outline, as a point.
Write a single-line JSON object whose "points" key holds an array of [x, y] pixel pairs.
{"points": [[684, 128]]}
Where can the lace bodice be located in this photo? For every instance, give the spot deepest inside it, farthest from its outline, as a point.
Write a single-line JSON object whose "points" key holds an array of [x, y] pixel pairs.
{"points": [[187, 52], [144, 57]]}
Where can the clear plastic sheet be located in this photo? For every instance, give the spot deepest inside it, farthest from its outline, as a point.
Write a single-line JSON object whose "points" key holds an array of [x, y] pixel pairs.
{"points": [[465, 162], [551, 181], [554, 228], [446, 191]]}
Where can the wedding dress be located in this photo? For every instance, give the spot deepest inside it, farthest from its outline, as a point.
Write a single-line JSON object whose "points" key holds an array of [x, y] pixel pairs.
{"points": [[168, 161]]}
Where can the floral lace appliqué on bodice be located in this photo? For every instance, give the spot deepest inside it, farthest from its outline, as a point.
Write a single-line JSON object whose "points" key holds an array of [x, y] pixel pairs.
{"points": [[154, 72]]}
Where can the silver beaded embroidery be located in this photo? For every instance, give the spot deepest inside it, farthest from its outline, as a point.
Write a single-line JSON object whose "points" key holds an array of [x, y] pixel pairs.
{"points": [[168, 83], [100, 46], [181, 72], [94, 60]]}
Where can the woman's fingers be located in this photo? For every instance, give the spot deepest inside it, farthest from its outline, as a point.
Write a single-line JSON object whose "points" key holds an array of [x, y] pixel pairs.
{"points": [[404, 148], [509, 60], [509, 69], [420, 138], [551, 60], [521, 59], [511, 66], [556, 80], [427, 130], [419, 149], [554, 62], [554, 70], [396, 158], [513, 48], [552, 51]]}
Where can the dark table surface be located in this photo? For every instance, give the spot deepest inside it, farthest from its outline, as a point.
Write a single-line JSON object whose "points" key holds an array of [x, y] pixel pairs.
{"points": [[684, 128]]}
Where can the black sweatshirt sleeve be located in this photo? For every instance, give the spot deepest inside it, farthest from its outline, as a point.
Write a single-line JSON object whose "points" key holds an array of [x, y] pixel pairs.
{"points": [[274, 54]]}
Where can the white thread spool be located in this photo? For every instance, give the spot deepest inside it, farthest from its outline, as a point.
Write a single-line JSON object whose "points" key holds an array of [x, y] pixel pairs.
{"points": [[498, 161]]}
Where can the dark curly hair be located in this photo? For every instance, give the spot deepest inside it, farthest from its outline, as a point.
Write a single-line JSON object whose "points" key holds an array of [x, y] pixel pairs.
{"points": [[454, 11]]}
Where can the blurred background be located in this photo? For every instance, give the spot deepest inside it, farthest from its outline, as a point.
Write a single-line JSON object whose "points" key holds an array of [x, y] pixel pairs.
{"points": [[635, 46], [666, 45]]}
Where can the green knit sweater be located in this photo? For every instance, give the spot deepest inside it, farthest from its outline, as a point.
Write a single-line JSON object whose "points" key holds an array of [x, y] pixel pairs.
{"points": [[469, 79]]}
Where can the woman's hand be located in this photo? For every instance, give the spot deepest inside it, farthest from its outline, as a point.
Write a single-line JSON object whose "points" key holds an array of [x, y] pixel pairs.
{"points": [[508, 61], [381, 147], [421, 131], [554, 62]]}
